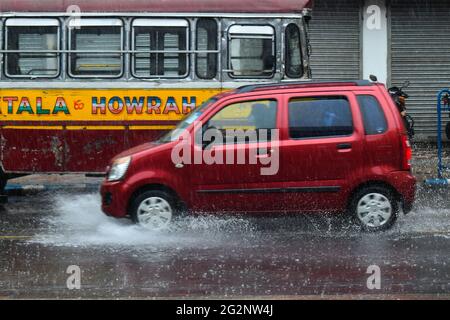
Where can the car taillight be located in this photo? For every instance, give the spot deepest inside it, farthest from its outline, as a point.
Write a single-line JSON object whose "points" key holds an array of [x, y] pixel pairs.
{"points": [[407, 156]]}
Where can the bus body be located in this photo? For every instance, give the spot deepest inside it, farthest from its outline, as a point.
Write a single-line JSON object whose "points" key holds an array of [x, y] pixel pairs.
{"points": [[82, 81]]}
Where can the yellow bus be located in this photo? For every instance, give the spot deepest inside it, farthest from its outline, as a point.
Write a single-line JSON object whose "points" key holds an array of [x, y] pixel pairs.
{"points": [[80, 81]]}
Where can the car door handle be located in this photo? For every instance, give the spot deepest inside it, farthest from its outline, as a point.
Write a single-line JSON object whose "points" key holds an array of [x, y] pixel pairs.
{"points": [[344, 146]]}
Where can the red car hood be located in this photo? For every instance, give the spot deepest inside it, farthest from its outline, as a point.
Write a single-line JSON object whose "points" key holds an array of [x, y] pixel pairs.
{"points": [[137, 149]]}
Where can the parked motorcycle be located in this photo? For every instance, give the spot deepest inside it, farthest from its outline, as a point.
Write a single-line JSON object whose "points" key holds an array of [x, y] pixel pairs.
{"points": [[399, 96]]}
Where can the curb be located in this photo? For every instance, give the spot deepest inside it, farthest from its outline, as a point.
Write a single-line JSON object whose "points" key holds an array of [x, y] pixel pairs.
{"points": [[443, 183], [22, 190]]}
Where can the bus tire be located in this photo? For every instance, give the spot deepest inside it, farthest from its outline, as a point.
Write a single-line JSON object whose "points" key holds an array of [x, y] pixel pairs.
{"points": [[3, 181]]}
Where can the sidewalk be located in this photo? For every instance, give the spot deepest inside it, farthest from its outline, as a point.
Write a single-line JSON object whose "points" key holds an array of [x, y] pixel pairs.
{"points": [[425, 160], [53, 182], [424, 166]]}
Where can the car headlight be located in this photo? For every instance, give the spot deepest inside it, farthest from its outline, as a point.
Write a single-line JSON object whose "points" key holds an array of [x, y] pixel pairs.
{"points": [[119, 169]]}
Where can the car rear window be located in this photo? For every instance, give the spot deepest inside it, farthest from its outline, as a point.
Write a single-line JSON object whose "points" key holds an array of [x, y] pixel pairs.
{"points": [[315, 117], [373, 115]]}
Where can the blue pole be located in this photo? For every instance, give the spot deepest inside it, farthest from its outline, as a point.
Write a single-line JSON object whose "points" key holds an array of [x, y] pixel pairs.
{"points": [[439, 133], [440, 181], [440, 109]]}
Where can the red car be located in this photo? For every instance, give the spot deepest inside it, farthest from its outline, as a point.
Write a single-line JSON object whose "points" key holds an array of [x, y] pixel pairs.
{"points": [[335, 147]]}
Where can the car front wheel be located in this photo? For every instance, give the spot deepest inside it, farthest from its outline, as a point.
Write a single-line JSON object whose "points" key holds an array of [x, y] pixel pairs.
{"points": [[154, 210], [374, 208]]}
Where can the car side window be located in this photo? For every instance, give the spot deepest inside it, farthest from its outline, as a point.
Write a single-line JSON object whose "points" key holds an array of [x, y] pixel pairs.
{"points": [[315, 117], [244, 122], [373, 115]]}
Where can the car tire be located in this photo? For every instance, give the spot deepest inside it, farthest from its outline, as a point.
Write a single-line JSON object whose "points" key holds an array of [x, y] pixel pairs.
{"points": [[154, 209], [374, 208]]}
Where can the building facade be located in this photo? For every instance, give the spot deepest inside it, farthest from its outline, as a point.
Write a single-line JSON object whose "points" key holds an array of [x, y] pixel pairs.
{"points": [[396, 40]]}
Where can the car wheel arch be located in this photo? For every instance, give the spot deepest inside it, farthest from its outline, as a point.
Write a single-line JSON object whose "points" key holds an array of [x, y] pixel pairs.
{"points": [[373, 183], [159, 187]]}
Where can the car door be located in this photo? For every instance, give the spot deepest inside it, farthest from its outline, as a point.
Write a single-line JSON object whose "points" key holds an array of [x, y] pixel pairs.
{"points": [[321, 150], [232, 175], [381, 137]]}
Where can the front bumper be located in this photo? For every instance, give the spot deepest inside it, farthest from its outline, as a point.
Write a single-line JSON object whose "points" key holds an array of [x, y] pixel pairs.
{"points": [[115, 197]]}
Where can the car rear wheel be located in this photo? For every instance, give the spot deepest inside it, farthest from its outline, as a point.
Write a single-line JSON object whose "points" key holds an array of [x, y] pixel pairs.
{"points": [[154, 210], [374, 208]]}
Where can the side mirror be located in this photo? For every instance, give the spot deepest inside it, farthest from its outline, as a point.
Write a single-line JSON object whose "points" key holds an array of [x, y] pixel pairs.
{"points": [[373, 78], [406, 84]]}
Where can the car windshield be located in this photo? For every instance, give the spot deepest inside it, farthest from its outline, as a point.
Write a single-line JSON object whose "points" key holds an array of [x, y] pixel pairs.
{"points": [[175, 134]]}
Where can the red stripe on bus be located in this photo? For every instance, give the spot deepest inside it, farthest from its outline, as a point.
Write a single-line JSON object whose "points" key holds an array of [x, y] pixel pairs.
{"points": [[90, 123], [228, 6]]}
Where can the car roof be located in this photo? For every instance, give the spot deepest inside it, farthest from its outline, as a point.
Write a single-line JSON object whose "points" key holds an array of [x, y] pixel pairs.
{"points": [[302, 84], [289, 86]]}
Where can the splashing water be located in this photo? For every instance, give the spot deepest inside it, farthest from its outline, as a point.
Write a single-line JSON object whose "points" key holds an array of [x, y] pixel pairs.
{"points": [[423, 222], [79, 221]]}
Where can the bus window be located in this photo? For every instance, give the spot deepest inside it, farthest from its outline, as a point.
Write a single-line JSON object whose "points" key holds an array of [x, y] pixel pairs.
{"points": [[160, 42], [96, 40], [206, 63], [26, 37], [294, 65], [252, 51]]}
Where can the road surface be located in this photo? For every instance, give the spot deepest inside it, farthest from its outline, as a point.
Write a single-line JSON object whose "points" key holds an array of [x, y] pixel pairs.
{"points": [[46, 239]]}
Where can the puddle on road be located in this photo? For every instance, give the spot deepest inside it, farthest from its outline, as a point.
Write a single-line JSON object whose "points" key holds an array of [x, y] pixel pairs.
{"points": [[423, 221], [77, 221], [430, 216]]}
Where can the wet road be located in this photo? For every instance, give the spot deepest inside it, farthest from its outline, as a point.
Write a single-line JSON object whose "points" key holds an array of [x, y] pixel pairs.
{"points": [[218, 257]]}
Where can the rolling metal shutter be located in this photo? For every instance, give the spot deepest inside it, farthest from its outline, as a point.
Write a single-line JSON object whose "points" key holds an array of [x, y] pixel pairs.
{"points": [[420, 53], [335, 34]]}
